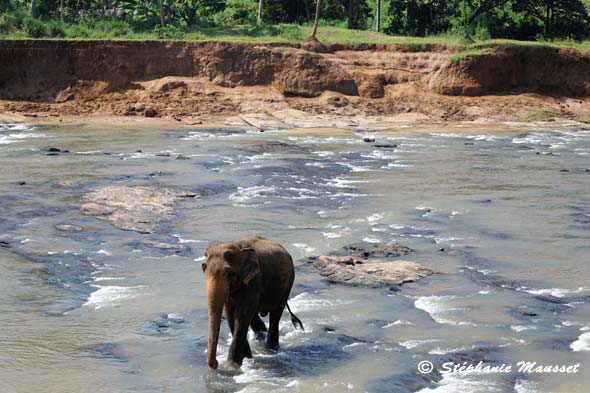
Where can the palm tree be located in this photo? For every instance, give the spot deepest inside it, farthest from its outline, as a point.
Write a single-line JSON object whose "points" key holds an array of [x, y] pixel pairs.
{"points": [[317, 19]]}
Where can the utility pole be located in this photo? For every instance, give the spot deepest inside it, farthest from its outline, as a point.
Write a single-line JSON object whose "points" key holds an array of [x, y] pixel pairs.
{"points": [[378, 16]]}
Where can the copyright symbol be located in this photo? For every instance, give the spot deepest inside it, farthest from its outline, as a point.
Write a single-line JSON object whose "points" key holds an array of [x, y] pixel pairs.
{"points": [[425, 367]]}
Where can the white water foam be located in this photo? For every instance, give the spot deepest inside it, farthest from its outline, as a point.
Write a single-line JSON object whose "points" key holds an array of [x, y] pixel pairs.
{"points": [[437, 308], [308, 302], [524, 386], [23, 131], [99, 279], [455, 382], [375, 218], [444, 351], [182, 241], [522, 328], [582, 344], [111, 295], [342, 182], [556, 292], [416, 343], [397, 323], [245, 194], [304, 247]]}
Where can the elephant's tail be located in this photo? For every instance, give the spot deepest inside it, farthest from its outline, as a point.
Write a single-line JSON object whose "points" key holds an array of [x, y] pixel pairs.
{"points": [[294, 320]]}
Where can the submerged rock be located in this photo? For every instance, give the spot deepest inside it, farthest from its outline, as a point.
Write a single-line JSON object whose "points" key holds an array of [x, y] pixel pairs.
{"points": [[138, 209], [351, 270], [69, 228], [164, 246], [381, 250]]}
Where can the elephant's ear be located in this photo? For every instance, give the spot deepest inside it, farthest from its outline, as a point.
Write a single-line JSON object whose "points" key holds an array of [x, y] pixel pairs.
{"points": [[251, 265]]}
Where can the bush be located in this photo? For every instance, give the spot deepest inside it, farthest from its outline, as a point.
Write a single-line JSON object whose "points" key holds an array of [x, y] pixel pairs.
{"points": [[113, 28], [238, 12], [7, 24], [168, 32], [55, 30], [78, 31], [35, 28]]}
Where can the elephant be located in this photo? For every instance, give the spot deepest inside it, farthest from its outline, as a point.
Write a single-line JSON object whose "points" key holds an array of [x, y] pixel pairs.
{"points": [[247, 279]]}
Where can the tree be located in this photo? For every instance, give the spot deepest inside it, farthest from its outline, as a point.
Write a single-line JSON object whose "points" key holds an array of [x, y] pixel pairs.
{"points": [[567, 18], [481, 7], [259, 17], [314, 30]]}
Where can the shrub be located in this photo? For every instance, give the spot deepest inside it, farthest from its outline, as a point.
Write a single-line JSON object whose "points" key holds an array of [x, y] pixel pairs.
{"points": [[113, 28], [35, 28], [7, 24], [55, 30], [168, 32], [78, 31], [238, 12]]}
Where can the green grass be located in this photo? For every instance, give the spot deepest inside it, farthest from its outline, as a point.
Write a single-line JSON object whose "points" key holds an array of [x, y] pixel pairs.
{"points": [[287, 33], [470, 52], [282, 33]]}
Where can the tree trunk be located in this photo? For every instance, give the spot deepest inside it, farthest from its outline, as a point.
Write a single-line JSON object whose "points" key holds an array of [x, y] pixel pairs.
{"points": [[350, 21], [162, 13], [259, 17], [61, 11], [378, 17], [317, 18], [33, 8]]}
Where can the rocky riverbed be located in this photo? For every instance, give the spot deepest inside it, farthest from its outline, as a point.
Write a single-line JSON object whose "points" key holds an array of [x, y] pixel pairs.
{"points": [[115, 299]]}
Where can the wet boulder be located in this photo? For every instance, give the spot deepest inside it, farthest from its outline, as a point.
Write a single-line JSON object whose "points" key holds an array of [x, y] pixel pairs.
{"points": [[354, 271], [139, 209]]}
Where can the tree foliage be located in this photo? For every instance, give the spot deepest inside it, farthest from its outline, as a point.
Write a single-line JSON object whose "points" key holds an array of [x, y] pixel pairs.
{"points": [[518, 19]]}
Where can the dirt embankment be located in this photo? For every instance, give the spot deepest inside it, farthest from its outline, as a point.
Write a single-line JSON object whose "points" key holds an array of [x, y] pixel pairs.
{"points": [[201, 80]]}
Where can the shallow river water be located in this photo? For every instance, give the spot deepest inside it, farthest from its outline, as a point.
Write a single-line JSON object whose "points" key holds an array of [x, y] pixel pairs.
{"points": [[503, 218]]}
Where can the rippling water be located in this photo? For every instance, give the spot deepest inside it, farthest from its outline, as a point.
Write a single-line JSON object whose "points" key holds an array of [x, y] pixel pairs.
{"points": [[504, 219]]}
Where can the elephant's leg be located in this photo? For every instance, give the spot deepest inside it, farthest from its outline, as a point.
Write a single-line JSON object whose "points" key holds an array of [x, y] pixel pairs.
{"points": [[258, 327], [230, 316], [239, 348], [272, 339]]}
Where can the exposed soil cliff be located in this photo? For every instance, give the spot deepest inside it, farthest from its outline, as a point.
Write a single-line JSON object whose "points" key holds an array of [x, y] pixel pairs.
{"points": [[203, 79], [541, 70]]}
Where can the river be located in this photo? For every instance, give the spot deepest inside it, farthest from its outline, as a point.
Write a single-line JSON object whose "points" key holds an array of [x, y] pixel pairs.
{"points": [[502, 217]]}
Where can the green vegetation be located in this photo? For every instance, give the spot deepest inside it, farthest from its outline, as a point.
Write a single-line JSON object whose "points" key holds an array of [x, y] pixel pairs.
{"points": [[407, 22]]}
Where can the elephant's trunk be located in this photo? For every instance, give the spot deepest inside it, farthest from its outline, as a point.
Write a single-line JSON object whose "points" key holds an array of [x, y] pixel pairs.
{"points": [[217, 293]]}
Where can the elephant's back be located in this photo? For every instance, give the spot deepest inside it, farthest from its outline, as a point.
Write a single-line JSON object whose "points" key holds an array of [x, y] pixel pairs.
{"points": [[268, 251], [276, 265]]}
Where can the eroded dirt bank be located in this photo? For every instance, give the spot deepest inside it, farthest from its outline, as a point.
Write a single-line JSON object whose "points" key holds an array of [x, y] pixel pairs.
{"points": [[265, 85]]}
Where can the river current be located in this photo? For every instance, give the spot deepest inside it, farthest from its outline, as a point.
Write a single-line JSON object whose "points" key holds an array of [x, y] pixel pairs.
{"points": [[502, 217]]}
